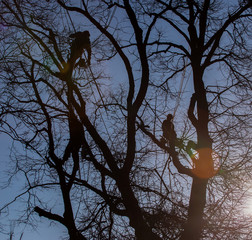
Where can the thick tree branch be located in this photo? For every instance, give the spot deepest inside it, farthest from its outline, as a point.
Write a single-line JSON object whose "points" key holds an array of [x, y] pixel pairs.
{"points": [[132, 111], [191, 108], [49, 215], [175, 159]]}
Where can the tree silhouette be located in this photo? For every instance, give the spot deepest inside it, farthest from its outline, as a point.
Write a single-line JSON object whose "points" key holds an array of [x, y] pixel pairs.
{"points": [[91, 127]]}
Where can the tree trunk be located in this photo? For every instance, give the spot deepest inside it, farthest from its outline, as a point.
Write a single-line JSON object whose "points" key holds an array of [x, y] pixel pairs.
{"points": [[137, 221], [203, 165], [75, 235], [193, 227]]}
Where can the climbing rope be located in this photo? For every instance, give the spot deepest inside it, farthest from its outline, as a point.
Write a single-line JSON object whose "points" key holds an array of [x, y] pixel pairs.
{"points": [[92, 74], [181, 89]]}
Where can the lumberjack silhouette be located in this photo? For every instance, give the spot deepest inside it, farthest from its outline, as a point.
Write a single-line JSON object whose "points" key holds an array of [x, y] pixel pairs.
{"points": [[169, 133], [80, 43]]}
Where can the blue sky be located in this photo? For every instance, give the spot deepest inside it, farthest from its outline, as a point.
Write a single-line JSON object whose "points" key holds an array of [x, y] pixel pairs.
{"points": [[46, 230]]}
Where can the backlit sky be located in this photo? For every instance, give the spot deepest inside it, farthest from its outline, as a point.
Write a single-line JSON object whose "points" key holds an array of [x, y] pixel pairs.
{"points": [[45, 230]]}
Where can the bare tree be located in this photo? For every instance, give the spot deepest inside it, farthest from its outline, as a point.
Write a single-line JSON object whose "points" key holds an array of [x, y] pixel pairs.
{"points": [[85, 89], [210, 40]]}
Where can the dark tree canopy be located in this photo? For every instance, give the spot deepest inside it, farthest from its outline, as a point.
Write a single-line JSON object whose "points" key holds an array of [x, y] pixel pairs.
{"points": [[85, 88]]}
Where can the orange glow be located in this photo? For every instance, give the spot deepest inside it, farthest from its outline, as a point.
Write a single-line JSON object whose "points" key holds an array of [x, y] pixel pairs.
{"points": [[206, 163]]}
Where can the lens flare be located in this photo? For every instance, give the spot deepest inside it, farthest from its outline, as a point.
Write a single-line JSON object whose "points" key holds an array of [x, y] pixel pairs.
{"points": [[206, 163], [248, 208]]}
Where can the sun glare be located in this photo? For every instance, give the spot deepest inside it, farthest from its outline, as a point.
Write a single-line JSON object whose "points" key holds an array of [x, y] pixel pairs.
{"points": [[248, 206]]}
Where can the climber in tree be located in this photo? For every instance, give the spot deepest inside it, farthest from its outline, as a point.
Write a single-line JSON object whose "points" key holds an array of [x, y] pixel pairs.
{"points": [[169, 133], [80, 43]]}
